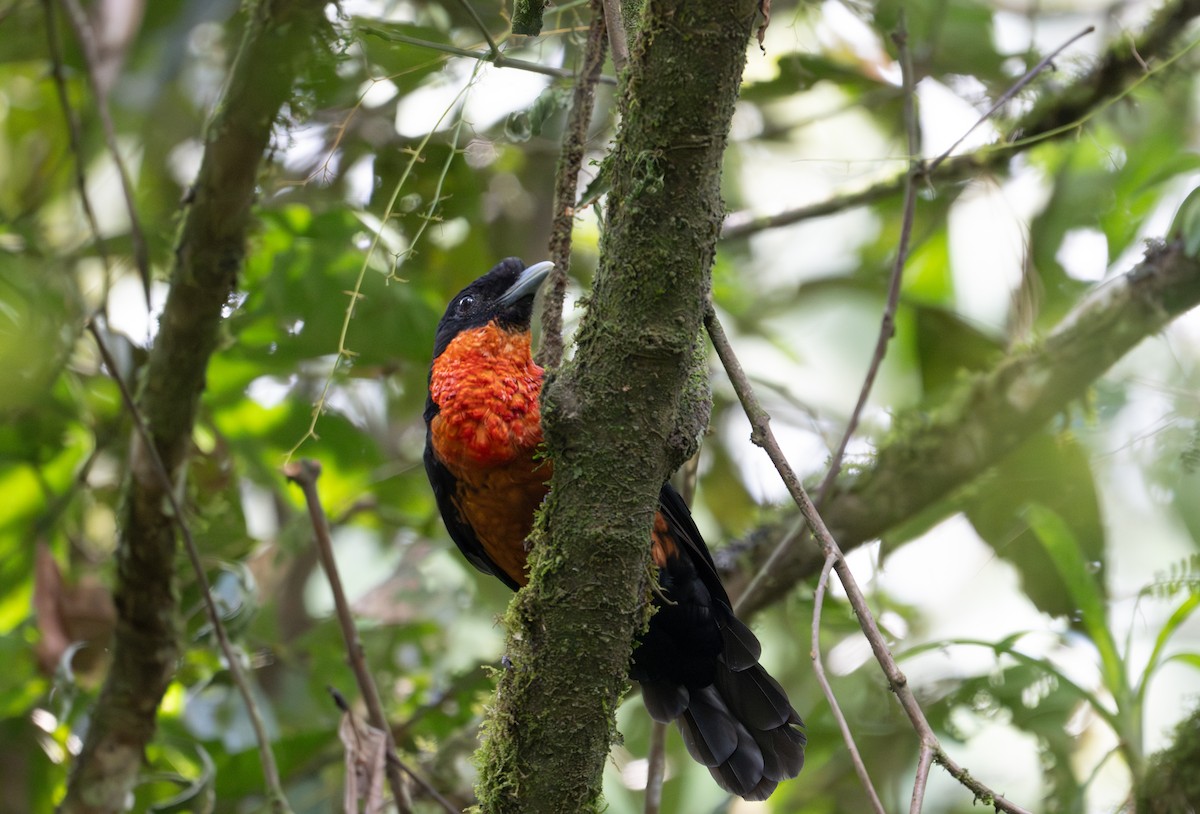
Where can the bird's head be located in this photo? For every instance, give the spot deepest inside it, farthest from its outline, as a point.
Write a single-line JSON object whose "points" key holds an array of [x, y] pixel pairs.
{"points": [[504, 295]]}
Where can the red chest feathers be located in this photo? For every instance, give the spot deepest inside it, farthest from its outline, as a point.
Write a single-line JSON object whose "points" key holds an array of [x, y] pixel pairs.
{"points": [[486, 386]]}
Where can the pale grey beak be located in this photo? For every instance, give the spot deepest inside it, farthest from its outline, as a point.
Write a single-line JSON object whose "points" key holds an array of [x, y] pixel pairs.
{"points": [[526, 284]]}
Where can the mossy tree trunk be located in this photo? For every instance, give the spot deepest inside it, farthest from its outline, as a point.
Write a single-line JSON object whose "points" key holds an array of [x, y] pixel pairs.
{"points": [[278, 44], [621, 415]]}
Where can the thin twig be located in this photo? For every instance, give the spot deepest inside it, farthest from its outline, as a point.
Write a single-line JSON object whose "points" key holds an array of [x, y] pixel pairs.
{"points": [[266, 755], [762, 436], [924, 762], [1065, 113], [355, 294], [617, 43], [75, 140], [656, 766], [887, 327], [500, 61], [77, 18], [304, 473], [493, 46], [1010, 93], [860, 768], [743, 224], [566, 185]]}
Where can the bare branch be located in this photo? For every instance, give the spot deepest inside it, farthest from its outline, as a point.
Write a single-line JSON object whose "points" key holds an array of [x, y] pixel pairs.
{"points": [[77, 18], [924, 762], [860, 768], [616, 34], [656, 766], [566, 184], [304, 474]]}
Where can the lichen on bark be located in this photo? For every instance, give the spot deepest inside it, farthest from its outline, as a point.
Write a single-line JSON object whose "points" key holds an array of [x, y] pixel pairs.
{"points": [[1171, 785]]}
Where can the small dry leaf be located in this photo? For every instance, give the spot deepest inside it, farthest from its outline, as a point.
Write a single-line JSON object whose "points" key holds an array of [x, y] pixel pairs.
{"points": [[366, 758], [764, 8]]}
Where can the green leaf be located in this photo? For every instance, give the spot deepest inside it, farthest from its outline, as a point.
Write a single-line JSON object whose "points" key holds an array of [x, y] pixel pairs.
{"points": [[1186, 225], [1053, 471], [1181, 615], [1085, 592], [949, 347], [1190, 659]]}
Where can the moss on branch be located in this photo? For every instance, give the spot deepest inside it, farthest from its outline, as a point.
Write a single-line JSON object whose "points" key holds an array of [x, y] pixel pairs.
{"points": [[618, 417], [1172, 783], [932, 455]]}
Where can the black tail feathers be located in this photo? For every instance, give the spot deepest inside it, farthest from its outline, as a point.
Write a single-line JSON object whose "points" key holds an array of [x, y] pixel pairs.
{"points": [[742, 726]]}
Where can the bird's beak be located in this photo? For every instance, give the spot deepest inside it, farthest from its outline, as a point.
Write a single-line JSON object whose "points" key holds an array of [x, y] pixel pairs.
{"points": [[526, 284]]}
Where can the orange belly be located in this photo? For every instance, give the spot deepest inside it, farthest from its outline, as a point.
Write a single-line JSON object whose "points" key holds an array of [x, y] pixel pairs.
{"points": [[499, 504]]}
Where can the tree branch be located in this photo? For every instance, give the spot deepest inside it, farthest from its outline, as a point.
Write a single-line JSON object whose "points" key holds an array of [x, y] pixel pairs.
{"points": [[275, 795], [304, 474], [762, 435], [1056, 115], [209, 254], [989, 416]]}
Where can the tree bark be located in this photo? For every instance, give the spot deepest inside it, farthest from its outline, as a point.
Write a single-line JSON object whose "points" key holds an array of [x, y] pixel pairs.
{"points": [[278, 42], [620, 416]]}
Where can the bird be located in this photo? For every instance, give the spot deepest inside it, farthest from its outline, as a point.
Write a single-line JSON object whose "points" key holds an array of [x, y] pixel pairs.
{"points": [[697, 663]]}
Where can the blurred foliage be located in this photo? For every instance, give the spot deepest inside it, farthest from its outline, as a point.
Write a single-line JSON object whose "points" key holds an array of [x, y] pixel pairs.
{"points": [[401, 172]]}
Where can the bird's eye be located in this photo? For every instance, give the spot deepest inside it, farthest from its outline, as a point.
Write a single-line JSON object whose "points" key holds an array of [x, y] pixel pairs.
{"points": [[464, 304]]}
